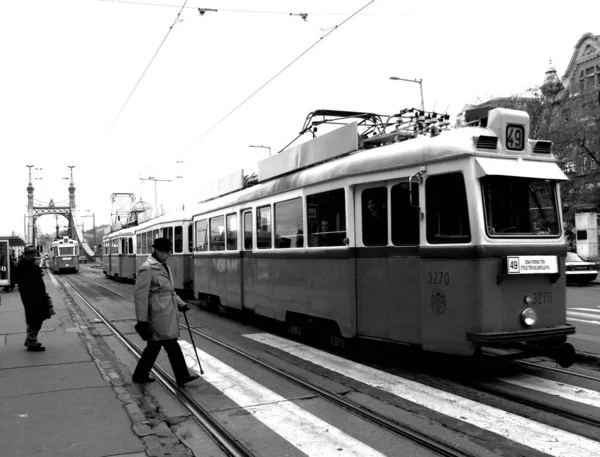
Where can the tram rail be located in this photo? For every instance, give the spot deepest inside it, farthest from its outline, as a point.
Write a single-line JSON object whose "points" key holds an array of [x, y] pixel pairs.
{"points": [[219, 433], [401, 430]]}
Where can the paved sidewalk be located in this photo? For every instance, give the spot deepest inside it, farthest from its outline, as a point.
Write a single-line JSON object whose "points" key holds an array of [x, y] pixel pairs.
{"points": [[72, 400]]}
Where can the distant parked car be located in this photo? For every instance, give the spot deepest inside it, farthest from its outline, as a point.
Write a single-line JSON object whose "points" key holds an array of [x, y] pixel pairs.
{"points": [[82, 259], [578, 270]]}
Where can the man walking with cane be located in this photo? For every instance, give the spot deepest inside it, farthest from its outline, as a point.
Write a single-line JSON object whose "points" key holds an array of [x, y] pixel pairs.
{"points": [[156, 306]]}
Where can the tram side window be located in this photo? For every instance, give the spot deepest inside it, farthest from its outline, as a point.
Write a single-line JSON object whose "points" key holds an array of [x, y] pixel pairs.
{"points": [[326, 218], [405, 216], [263, 227], [374, 216], [167, 232], [447, 212], [144, 243], [130, 246], [178, 240], [124, 245], [149, 242], [248, 230], [155, 235], [217, 233], [191, 238], [138, 248], [288, 224], [202, 235], [232, 232]]}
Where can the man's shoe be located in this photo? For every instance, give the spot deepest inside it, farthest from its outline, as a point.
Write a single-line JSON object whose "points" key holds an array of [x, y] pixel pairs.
{"points": [[143, 380], [188, 378], [36, 348]]}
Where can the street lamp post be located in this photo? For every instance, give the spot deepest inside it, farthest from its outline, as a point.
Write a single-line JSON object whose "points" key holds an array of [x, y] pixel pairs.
{"points": [[93, 216], [152, 178], [418, 81], [264, 147]]}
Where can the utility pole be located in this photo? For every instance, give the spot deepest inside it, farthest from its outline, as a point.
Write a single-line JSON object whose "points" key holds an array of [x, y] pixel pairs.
{"points": [[152, 178], [418, 81]]}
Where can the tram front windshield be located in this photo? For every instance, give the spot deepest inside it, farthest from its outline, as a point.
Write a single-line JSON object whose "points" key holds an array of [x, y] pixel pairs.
{"points": [[516, 207]]}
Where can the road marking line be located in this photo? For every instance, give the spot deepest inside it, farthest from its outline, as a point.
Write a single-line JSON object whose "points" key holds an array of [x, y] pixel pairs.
{"points": [[541, 437], [302, 429], [584, 321], [560, 389], [589, 310]]}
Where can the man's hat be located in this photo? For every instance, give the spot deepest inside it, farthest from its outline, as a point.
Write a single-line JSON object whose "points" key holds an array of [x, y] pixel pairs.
{"points": [[163, 244], [30, 249]]}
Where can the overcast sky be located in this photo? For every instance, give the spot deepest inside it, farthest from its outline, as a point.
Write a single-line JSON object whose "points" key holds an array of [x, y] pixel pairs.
{"points": [[68, 67]]}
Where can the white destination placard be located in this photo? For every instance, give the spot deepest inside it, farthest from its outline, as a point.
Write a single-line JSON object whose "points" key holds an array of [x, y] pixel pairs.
{"points": [[531, 264]]}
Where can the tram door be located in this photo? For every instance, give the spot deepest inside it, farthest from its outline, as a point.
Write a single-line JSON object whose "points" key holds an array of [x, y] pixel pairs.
{"points": [[247, 270], [387, 261]]}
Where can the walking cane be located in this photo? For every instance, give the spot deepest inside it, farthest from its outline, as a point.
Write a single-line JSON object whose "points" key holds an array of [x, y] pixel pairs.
{"points": [[192, 338]]}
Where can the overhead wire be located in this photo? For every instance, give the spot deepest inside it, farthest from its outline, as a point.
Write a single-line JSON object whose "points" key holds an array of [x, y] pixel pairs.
{"points": [[131, 2], [148, 66], [283, 69]]}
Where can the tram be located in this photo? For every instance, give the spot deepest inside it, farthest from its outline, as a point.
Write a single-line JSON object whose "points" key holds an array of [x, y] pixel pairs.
{"points": [[395, 228], [64, 255], [126, 249], [118, 261]]}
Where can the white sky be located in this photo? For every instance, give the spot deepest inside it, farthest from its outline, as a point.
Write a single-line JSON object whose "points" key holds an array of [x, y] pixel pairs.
{"points": [[67, 67]]}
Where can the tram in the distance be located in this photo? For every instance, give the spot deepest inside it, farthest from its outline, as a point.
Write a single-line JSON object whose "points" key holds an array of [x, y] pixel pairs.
{"points": [[64, 255]]}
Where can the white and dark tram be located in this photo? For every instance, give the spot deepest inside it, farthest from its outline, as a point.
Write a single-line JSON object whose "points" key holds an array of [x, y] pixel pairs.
{"points": [[63, 255], [390, 228]]}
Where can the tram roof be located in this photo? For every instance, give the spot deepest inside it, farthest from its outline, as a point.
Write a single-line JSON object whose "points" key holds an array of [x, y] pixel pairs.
{"points": [[419, 151]]}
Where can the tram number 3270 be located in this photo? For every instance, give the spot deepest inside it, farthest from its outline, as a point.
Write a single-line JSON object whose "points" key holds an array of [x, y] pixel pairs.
{"points": [[438, 277], [541, 298]]}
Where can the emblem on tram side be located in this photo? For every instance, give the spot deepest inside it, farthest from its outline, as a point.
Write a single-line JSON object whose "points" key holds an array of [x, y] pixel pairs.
{"points": [[438, 301]]}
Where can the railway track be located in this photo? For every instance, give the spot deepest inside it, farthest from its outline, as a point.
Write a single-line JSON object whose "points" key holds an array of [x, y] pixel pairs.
{"points": [[223, 436]]}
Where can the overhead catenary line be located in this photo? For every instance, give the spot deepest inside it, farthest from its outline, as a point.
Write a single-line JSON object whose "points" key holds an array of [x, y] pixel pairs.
{"points": [[283, 69], [149, 63], [225, 10]]}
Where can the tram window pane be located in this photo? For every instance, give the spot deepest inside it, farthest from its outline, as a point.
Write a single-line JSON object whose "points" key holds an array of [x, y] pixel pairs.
{"points": [[405, 217], [144, 243], [66, 250], [167, 232], [232, 232], [288, 224], [519, 206], [374, 216], [178, 239], [155, 235], [138, 247], [149, 243], [447, 210], [130, 249], [248, 230], [202, 235], [217, 233], [263, 227], [190, 238], [326, 218]]}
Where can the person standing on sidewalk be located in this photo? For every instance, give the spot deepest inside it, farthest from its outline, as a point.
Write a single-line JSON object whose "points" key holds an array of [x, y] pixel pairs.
{"points": [[156, 306], [33, 295]]}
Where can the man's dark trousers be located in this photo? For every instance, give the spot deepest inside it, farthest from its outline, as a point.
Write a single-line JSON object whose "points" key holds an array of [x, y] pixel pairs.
{"points": [[146, 362]]}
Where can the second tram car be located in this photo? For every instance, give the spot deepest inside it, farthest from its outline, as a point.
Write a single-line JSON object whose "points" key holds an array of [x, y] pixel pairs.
{"points": [[64, 255]]}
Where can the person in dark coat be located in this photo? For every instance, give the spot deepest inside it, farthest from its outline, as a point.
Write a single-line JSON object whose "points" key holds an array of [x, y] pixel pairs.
{"points": [[33, 295], [156, 309]]}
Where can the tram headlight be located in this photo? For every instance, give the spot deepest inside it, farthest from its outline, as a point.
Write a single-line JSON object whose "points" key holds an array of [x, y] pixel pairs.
{"points": [[528, 317], [528, 300]]}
